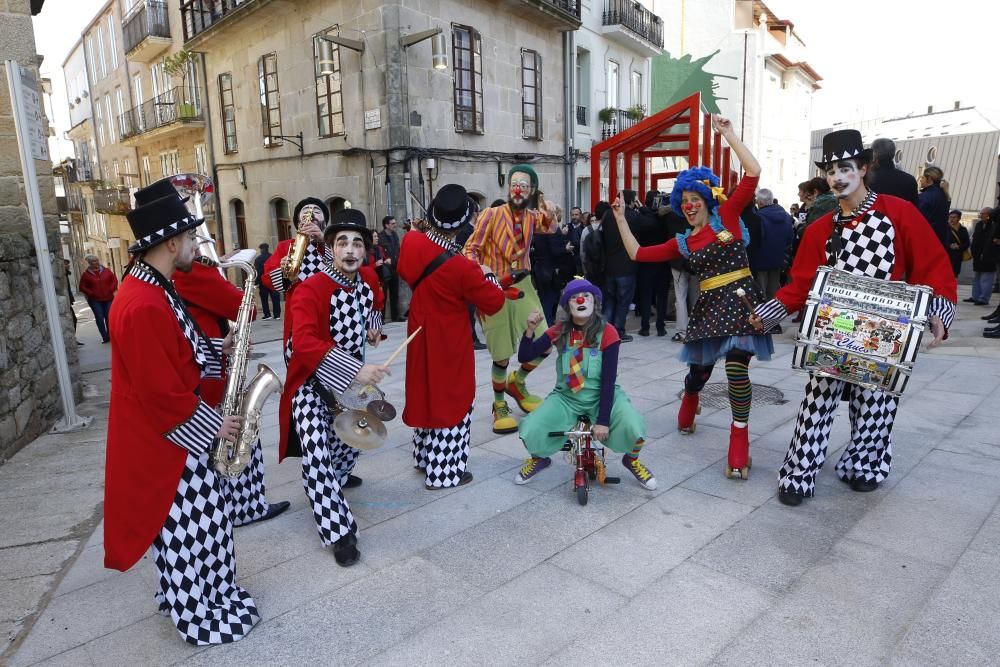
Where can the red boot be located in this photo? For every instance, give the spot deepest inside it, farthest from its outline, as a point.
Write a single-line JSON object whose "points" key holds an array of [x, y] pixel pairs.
{"points": [[685, 416], [739, 462]]}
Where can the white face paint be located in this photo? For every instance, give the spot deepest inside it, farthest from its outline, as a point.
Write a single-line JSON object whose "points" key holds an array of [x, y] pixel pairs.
{"points": [[844, 178], [581, 307], [348, 252], [315, 211]]}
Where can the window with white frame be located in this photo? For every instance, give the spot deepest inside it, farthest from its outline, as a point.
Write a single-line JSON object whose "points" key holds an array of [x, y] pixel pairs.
{"points": [[110, 118], [168, 164], [111, 41], [88, 54], [467, 64], [146, 176], [637, 96], [531, 94], [118, 173], [270, 99], [201, 158], [128, 172], [329, 103], [99, 122], [101, 55], [120, 105], [612, 84]]}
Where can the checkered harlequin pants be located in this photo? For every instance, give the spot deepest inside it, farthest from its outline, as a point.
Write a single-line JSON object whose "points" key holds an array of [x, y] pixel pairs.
{"points": [[193, 556], [246, 492], [443, 452], [326, 463], [869, 454]]}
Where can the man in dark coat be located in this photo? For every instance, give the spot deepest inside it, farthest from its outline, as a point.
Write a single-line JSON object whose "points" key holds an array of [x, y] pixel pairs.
{"points": [[389, 240], [619, 270], [984, 257], [885, 179], [773, 251], [270, 300]]}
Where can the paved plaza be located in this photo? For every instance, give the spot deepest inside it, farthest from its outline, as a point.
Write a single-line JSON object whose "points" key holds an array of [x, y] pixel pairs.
{"points": [[703, 570]]}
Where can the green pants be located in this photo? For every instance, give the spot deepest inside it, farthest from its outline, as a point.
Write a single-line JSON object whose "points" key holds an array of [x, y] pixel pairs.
{"points": [[504, 329], [559, 412]]}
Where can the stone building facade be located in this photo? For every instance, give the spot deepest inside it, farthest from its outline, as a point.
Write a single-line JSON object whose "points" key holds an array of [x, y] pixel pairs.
{"points": [[29, 395], [377, 119]]}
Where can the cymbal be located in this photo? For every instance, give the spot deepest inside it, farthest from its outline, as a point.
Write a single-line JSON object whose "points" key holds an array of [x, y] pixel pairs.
{"points": [[360, 429], [384, 410]]}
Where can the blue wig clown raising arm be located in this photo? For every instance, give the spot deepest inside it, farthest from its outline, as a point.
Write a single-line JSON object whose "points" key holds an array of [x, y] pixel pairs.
{"points": [[716, 253], [586, 371]]}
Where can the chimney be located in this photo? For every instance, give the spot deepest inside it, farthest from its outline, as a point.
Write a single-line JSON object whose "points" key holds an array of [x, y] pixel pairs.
{"points": [[958, 105]]}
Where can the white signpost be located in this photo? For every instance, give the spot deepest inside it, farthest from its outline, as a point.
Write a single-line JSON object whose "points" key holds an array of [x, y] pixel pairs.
{"points": [[32, 144]]}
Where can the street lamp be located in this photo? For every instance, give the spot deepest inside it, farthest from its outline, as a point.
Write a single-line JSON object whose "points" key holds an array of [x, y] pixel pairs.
{"points": [[439, 47], [327, 60]]}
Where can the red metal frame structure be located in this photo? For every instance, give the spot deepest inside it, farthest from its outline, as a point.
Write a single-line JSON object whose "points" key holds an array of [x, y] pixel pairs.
{"points": [[673, 132]]}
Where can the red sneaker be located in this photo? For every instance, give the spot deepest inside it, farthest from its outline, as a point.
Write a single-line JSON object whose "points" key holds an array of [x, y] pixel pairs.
{"points": [[690, 406]]}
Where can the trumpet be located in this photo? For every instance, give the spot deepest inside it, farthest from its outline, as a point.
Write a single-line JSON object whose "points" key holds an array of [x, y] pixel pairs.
{"points": [[297, 252]]}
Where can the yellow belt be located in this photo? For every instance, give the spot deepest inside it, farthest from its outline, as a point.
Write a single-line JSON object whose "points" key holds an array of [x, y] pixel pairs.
{"points": [[725, 279]]}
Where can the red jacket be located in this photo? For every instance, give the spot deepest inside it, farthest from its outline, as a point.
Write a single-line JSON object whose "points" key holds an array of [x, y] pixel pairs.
{"points": [[440, 362], [153, 382], [920, 258], [307, 317], [99, 285], [211, 300]]}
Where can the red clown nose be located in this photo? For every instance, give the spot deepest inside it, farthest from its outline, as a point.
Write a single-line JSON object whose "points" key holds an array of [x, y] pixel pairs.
{"points": [[581, 300]]}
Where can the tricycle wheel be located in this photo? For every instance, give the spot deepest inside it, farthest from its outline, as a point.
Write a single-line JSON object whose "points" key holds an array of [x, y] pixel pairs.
{"points": [[581, 494]]}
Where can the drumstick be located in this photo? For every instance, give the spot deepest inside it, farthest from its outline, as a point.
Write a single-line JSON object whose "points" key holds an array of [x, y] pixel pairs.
{"points": [[742, 293], [402, 346]]}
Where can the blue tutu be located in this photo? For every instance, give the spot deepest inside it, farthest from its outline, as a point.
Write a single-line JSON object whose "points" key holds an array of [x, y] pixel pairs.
{"points": [[706, 351]]}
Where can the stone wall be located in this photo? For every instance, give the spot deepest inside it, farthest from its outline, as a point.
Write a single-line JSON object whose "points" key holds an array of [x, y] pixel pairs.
{"points": [[29, 391]]}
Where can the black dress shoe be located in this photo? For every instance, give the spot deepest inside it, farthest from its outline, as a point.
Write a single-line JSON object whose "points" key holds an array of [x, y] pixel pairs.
{"points": [[790, 498], [345, 551], [990, 329], [992, 316], [661, 332], [992, 333], [626, 338], [273, 510], [981, 303], [352, 482], [970, 300], [643, 332], [862, 485], [993, 320], [478, 345], [466, 478]]}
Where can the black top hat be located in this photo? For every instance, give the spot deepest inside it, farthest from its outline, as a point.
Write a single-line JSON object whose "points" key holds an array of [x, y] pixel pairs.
{"points": [[305, 202], [843, 145], [157, 220], [161, 188], [451, 208], [349, 219]]}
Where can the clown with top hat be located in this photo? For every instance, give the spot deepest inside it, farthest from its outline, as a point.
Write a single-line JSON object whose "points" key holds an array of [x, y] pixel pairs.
{"points": [[873, 235], [161, 489], [501, 242], [715, 251], [440, 362], [586, 375]]}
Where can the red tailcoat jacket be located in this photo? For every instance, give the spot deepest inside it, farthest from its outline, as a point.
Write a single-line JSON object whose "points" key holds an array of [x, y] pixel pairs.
{"points": [[307, 318], [154, 380], [211, 300], [440, 362], [920, 258]]}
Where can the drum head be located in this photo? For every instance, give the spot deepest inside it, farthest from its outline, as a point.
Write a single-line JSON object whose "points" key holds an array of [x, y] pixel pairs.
{"points": [[357, 396]]}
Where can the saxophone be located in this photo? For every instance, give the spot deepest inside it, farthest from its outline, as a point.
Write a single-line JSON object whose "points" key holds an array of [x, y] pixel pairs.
{"points": [[297, 251], [231, 458]]}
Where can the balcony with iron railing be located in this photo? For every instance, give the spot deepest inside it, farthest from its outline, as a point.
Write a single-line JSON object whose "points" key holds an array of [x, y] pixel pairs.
{"points": [[81, 171], [199, 16], [113, 201], [632, 25], [551, 14], [614, 121], [146, 31], [74, 200], [177, 109]]}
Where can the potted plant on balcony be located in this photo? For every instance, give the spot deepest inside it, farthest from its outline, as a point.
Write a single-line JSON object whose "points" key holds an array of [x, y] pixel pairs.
{"points": [[636, 112], [179, 64], [607, 115]]}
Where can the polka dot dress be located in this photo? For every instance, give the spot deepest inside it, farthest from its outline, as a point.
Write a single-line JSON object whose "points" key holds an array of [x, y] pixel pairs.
{"points": [[720, 312]]}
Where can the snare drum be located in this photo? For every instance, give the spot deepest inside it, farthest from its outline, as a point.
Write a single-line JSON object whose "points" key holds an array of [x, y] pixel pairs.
{"points": [[862, 330]]}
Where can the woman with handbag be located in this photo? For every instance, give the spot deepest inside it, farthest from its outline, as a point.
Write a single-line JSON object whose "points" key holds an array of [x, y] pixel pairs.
{"points": [[958, 241]]}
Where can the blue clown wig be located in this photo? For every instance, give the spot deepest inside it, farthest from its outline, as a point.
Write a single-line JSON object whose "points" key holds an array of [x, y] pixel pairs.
{"points": [[690, 180]]}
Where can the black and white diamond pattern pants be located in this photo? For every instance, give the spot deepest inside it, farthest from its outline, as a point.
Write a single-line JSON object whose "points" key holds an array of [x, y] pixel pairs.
{"points": [[193, 556], [246, 492], [326, 463], [443, 452], [868, 455]]}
